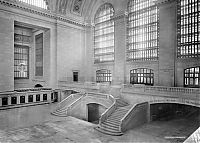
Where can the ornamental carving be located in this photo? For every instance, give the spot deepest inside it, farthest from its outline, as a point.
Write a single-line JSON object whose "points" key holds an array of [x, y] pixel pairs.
{"points": [[77, 5]]}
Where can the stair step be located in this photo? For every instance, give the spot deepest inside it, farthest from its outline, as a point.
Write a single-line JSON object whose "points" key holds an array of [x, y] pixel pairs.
{"points": [[60, 115], [110, 127], [113, 122], [118, 114], [108, 132], [113, 125]]}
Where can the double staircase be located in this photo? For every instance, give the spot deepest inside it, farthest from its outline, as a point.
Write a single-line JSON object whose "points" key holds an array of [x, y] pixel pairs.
{"points": [[64, 105], [111, 125]]}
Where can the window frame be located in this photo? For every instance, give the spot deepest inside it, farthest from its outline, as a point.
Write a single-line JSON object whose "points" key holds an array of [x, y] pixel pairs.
{"points": [[42, 61], [188, 39], [103, 76], [105, 51], [145, 50], [191, 77], [143, 75], [28, 64]]}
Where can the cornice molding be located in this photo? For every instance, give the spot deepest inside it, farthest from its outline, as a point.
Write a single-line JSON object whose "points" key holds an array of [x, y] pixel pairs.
{"points": [[41, 12], [161, 2], [119, 16]]}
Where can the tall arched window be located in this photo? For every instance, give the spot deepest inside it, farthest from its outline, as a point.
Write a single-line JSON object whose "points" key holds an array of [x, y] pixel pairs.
{"points": [[39, 3], [142, 30], [103, 75], [188, 28], [104, 34], [142, 76], [192, 77]]}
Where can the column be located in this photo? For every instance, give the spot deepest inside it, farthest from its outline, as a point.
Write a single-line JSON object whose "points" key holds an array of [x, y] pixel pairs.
{"points": [[120, 48], [49, 97], [167, 42], [41, 96], [26, 98], [18, 99], [9, 100], [0, 102], [34, 97]]}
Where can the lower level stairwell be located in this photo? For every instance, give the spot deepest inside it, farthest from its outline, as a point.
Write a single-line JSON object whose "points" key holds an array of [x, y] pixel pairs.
{"points": [[111, 125]]}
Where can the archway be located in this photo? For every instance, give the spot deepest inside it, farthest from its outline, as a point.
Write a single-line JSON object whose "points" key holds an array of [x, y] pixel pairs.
{"points": [[173, 120], [38, 85]]}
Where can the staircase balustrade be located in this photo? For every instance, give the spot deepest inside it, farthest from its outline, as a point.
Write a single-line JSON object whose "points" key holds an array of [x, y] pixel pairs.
{"points": [[107, 113], [194, 137], [129, 115], [161, 90]]}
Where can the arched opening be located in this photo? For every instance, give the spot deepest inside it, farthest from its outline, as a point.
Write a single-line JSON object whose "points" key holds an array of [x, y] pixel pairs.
{"points": [[177, 121], [38, 85]]}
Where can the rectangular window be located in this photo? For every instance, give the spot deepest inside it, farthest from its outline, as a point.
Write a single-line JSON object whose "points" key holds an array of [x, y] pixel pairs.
{"points": [[37, 97], [44, 97], [22, 99], [75, 76], [21, 62], [30, 98], [39, 55], [13, 100]]}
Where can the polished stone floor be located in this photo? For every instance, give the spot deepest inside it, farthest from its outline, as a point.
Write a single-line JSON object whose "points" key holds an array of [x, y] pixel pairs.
{"points": [[36, 125]]}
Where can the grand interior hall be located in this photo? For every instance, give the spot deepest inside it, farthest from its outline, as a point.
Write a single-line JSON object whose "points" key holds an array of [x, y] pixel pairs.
{"points": [[100, 71]]}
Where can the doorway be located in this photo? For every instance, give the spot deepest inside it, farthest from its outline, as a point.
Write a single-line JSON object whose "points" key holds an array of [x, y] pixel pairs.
{"points": [[93, 113], [75, 76]]}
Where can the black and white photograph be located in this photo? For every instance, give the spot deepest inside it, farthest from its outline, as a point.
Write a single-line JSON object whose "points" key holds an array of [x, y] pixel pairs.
{"points": [[99, 71]]}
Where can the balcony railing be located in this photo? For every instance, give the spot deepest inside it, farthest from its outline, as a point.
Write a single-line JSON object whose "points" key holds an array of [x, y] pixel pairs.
{"points": [[26, 96]]}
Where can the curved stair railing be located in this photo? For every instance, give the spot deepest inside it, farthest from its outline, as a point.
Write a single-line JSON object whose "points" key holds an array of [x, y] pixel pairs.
{"points": [[128, 116], [125, 118], [66, 103], [65, 107], [107, 113]]}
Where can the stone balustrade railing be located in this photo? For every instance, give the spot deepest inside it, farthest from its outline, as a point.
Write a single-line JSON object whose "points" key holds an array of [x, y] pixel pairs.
{"points": [[194, 137], [26, 96], [162, 90]]}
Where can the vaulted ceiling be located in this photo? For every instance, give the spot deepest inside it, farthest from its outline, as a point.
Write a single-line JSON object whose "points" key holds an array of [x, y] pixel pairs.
{"points": [[83, 9]]}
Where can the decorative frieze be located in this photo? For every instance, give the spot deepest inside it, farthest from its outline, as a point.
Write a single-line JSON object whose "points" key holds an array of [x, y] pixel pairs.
{"points": [[41, 12]]}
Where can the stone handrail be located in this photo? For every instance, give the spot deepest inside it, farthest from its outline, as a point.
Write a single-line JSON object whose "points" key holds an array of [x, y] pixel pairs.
{"points": [[126, 116], [64, 102], [72, 105], [107, 113], [161, 90], [194, 137], [25, 90], [124, 122]]}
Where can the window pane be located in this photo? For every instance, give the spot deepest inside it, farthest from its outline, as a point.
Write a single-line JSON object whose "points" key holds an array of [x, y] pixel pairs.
{"points": [[192, 77], [188, 31], [142, 30], [103, 76], [38, 3], [104, 34], [137, 76]]}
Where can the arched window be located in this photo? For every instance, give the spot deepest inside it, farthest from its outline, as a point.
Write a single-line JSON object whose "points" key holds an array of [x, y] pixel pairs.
{"points": [[103, 75], [192, 77], [142, 30], [188, 28], [104, 34], [39, 3], [142, 76]]}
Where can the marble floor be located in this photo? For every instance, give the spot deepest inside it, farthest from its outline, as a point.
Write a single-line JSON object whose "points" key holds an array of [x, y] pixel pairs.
{"points": [[37, 125]]}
